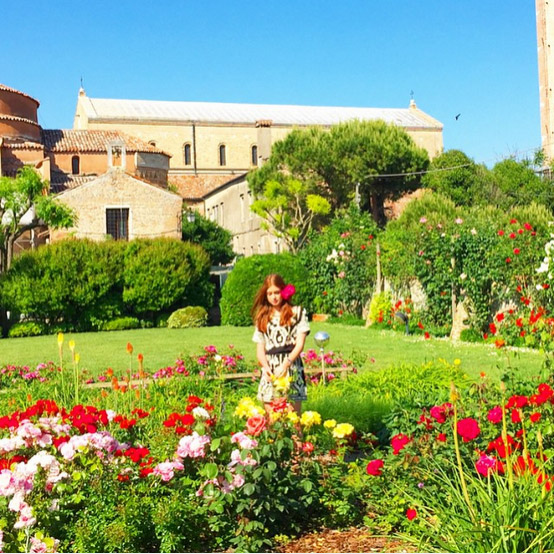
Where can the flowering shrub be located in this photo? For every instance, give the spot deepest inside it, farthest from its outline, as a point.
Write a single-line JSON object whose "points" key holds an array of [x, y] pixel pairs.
{"points": [[64, 472], [462, 462], [341, 263]]}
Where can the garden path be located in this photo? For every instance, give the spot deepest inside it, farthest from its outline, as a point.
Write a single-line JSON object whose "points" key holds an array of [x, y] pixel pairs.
{"points": [[348, 540]]}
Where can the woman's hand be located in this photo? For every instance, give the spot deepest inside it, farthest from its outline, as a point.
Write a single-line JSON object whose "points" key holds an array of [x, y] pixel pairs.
{"points": [[281, 371], [267, 373]]}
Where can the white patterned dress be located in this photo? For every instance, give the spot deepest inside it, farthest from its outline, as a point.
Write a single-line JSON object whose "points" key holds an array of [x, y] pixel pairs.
{"points": [[279, 342]]}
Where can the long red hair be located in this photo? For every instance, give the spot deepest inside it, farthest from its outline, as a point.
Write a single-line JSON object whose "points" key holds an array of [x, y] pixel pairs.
{"points": [[262, 310]]}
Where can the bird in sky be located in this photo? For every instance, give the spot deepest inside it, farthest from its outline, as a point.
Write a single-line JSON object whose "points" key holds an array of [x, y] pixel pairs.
{"points": [[456, 118]]}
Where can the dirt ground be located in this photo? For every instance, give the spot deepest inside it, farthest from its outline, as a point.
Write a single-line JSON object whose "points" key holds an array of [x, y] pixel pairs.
{"points": [[349, 540]]}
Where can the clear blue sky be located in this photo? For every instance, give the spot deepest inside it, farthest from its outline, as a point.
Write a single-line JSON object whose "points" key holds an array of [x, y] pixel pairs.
{"points": [[477, 58]]}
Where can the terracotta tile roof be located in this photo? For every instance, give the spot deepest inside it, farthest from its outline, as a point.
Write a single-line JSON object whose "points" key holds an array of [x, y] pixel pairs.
{"points": [[17, 118], [19, 144], [73, 140], [10, 89], [62, 181], [195, 187]]}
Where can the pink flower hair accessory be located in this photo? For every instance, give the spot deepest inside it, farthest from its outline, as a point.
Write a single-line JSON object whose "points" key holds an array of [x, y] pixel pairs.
{"points": [[287, 292]]}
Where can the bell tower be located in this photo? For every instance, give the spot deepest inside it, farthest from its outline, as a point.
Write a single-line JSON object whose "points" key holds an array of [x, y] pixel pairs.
{"points": [[545, 37]]}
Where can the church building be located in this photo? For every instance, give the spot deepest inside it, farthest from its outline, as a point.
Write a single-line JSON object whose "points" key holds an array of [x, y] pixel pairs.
{"points": [[214, 145]]}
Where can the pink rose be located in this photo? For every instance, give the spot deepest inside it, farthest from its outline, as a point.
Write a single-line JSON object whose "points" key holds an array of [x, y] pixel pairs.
{"points": [[255, 425]]}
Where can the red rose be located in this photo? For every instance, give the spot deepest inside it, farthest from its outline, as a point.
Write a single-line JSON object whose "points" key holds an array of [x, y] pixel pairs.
{"points": [[468, 429], [499, 317], [441, 437], [308, 447], [426, 335], [516, 251], [398, 442], [535, 417], [374, 467], [495, 415], [492, 328], [279, 405], [255, 425], [411, 514], [500, 233]]}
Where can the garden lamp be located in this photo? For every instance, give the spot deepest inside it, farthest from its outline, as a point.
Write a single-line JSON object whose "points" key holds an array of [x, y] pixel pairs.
{"points": [[321, 338], [404, 318], [191, 216]]}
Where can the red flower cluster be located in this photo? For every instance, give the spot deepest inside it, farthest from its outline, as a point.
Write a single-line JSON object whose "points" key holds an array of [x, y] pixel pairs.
{"points": [[184, 422]]}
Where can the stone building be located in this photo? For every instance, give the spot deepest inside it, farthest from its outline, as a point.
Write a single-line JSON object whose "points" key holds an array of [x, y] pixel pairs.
{"points": [[109, 162], [214, 145]]}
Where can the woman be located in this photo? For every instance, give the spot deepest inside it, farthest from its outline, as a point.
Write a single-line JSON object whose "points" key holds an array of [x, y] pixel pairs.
{"points": [[280, 334]]}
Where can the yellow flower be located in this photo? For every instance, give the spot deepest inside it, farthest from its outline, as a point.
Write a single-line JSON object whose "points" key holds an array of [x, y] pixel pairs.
{"points": [[310, 418], [457, 361], [60, 339], [293, 417], [343, 430], [77, 357], [282, 384], [330, 423], [72, 345], [247, 408], [274, 416]]}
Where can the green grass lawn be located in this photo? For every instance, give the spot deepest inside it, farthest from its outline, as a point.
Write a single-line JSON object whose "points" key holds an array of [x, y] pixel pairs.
{"points": [[161, 347]]}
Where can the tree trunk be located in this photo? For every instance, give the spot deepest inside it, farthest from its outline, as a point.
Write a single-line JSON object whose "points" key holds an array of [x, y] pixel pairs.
{"points": [[378, 208]]}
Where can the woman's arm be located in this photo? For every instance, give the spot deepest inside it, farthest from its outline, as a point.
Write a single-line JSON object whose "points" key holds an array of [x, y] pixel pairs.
{"points": [[296, 351], [262, 358]]}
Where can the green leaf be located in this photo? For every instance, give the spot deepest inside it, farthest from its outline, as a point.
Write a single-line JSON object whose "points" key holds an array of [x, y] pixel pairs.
{"points": [[248, 489], [211, 470]]}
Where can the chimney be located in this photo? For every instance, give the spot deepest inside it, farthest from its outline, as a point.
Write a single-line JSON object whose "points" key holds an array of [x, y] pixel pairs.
{"points": [[264, 139]]}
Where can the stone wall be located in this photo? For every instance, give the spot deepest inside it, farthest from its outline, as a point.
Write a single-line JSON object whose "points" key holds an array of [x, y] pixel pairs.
{"points": [[153, 212]]}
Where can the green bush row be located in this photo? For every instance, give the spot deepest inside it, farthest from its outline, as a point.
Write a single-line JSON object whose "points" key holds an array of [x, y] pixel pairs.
{"points": [[81, 285]]}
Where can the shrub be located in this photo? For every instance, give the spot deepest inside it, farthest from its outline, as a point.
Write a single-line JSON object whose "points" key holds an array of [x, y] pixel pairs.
{"points": [[74, 282], [162, 274], [120, 324], [191, 316], [80, 285], [27, 329], [247, 277], [380, 307]]}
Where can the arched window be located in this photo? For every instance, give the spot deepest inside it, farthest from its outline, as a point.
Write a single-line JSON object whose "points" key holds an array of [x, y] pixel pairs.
{"points": [[222, 155], [254, 155], [186, 154], [75, 169]]}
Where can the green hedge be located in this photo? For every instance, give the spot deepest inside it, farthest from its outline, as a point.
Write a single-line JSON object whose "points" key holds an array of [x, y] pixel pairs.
{"points": [[247, 277], [81, 285]]}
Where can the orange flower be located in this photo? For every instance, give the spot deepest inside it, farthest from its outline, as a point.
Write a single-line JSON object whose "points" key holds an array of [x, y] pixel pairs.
{"points": [[137, 394], [123, 388], [129, 348], [115, 383], [104, 393], [140, 358], [109, 372], [499, 343]]}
